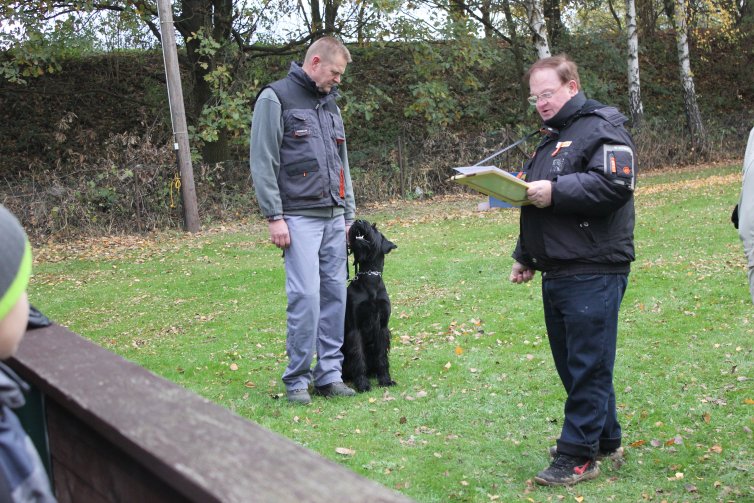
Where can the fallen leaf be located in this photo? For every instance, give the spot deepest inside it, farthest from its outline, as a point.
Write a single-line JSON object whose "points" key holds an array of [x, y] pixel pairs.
{"points": [[459, 350], [345, 451], [716, 449], [748, 401], [707, 417], [447, 366], [655, 443], [233, 366], [579, 498], [638, 443]]}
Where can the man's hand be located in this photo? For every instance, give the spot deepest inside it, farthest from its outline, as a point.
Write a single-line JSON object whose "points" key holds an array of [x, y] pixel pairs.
{"points": [[520, 273], [279, 233], [540, 193]]}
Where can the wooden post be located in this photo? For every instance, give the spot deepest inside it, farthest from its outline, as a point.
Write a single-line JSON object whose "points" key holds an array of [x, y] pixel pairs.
{"points": [[178, 116]]}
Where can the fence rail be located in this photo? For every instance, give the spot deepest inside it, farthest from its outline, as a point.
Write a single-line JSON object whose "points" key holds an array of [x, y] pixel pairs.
{"points": [[117, 432]]}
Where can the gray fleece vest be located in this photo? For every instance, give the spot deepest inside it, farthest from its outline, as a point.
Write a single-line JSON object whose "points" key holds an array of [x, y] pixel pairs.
{"points": [[311, 171]]}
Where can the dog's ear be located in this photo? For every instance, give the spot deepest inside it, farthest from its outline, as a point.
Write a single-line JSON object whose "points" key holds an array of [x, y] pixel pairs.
{"points": [[387, 245]]}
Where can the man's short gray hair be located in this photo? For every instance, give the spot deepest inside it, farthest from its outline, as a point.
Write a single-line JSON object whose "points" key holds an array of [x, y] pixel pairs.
{"points": [[326, 48]]}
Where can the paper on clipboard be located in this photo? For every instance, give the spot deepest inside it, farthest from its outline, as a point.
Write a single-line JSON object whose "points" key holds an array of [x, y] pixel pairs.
{"points": [[495, 182]]}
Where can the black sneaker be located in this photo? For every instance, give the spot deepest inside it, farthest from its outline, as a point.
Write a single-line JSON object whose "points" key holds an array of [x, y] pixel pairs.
{"points": [[299, 396], [566, 470], [334, 389], [616, 456]]}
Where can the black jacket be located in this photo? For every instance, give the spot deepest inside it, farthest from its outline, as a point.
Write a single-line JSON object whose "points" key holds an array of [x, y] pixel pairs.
{"points": [[588, 228]]}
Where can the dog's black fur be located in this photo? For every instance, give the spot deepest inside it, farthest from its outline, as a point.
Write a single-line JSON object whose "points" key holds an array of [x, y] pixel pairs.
{"points": [[367, 338]]}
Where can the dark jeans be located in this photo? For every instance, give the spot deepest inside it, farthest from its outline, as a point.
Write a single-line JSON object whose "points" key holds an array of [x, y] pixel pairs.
{"points": [[581, 314]]}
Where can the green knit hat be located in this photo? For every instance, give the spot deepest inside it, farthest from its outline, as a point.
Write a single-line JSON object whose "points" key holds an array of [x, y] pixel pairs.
{"points": [[15, 261]]}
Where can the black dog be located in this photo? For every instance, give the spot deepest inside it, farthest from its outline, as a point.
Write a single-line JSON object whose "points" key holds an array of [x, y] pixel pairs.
{"points": [[367, 338]]}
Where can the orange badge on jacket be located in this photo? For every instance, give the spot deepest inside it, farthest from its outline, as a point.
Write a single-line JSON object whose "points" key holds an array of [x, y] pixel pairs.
{"points": [[560, 144]]}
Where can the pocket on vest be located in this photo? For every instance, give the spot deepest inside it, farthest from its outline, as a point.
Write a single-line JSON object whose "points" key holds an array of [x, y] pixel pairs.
{"points": [[302, 180], [301, 126]]}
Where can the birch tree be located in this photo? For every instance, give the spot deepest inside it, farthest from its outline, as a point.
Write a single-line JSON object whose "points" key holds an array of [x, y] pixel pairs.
{"points": [[634, 88], [536, 22], [693, 115]]}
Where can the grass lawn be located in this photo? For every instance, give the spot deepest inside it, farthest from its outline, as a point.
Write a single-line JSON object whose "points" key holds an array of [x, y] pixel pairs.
{"points": [[478, 401]]}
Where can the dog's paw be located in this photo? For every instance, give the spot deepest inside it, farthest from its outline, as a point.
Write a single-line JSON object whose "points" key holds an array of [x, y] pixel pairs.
{"points": [[362, 385], [386, 382]]}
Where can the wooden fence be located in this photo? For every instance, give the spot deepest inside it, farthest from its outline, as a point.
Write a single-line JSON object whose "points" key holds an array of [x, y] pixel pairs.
{"points": [[112, 431]]}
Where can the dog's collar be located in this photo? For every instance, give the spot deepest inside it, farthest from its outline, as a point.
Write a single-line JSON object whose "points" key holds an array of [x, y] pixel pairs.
{"points": [[366, 273]]}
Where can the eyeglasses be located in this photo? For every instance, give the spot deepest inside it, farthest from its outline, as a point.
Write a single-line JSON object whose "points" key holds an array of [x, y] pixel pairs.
{"points": [[534, 98]]}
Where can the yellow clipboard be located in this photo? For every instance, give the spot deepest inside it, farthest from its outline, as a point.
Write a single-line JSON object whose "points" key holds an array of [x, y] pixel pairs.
{"points": [[495, 182]]}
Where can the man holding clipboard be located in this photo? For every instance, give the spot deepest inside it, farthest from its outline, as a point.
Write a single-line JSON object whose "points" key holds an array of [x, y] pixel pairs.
{"points": [[578, 232]]}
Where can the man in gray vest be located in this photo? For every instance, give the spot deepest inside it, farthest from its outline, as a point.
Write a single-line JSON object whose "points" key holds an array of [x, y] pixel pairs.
{"points": [[299, 165]]}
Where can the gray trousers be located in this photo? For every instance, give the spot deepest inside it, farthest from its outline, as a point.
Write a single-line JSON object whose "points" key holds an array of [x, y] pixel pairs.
{"points": [[746, 210], [315, 268], [746, 232]]}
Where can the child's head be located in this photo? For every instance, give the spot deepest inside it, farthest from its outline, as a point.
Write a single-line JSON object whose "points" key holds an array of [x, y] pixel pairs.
{"points": [[15, 270]]}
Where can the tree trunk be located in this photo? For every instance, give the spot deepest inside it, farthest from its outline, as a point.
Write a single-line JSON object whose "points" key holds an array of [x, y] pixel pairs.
{"points": [[647, 17], [745, 15], [215, 18], [536, 22], [517, 49], [458, 10], [616, 16], [486, 18], [555, 27], [634, 87], [316, 16], [360, 35], [693, 115], [331, 14]]}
